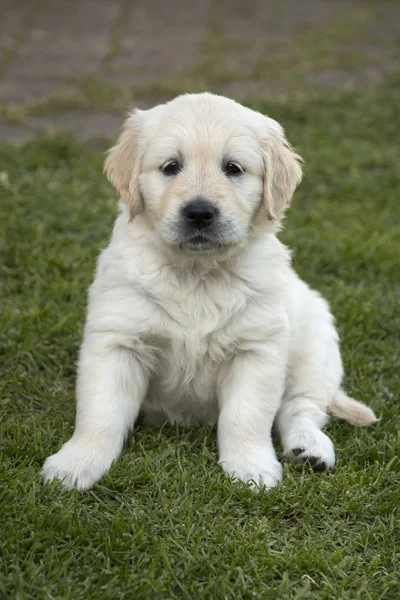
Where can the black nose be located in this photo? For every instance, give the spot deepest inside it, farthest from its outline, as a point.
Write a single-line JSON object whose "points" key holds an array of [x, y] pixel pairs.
{"points": [[200, 213]]}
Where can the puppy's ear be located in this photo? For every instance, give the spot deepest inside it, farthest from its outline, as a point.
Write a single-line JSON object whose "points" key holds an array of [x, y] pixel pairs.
{"points": [[123, 164], [282, 171]]}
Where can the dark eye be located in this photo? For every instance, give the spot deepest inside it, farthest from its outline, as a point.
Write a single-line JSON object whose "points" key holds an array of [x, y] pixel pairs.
{"points": [[172, 167], [233, 169]]}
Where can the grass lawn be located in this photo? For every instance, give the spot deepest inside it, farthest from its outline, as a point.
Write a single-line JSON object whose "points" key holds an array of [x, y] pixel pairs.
{"points": [[165, 523]]}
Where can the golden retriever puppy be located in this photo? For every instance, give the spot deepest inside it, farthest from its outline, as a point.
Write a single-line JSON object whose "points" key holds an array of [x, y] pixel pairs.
{"points": [[195, 314]]}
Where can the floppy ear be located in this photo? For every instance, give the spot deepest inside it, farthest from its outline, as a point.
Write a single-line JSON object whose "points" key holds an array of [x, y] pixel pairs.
{"points": [[282, 171], [123, 164]]}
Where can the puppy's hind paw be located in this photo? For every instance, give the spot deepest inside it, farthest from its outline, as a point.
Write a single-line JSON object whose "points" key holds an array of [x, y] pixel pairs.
{"points": [[316, 462], [309, 445]]}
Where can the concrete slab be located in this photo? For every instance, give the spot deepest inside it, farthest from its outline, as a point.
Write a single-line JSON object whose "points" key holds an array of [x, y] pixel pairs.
{"points": [[67, 39], [48, 46], [12, 22], [82, 124], [15, 133], [160, 39]]}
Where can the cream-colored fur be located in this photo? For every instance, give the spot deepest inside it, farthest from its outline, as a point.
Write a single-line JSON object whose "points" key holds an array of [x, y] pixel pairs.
{"points": [[217, 329]]}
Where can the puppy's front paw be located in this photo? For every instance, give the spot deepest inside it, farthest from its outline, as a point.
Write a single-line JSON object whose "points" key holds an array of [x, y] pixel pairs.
{"points": [[77, 466], [258, 468]]}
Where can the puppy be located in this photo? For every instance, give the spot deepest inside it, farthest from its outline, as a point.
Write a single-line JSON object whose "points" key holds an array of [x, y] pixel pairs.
{"points": [[195, 314]]}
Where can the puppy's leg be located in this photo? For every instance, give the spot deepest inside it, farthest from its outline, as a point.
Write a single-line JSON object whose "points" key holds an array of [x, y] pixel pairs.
{"points": [[313, 385], [299, 422], [111, 386], [249, 396]]}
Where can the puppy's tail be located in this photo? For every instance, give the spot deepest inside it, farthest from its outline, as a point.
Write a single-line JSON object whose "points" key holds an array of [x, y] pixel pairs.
{"points": [[355, 413]]}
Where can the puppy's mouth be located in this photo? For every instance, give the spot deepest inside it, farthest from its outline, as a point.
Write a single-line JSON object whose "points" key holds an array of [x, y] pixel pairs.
{"points": [[209, 239], [199, 243]]}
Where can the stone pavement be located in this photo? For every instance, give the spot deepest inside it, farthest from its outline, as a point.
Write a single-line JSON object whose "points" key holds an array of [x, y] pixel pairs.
{"points": [[79, 64]]}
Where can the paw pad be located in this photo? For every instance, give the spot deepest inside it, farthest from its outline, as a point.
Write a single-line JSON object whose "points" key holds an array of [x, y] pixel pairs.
{"points": [[316, 462], [297, 451]]}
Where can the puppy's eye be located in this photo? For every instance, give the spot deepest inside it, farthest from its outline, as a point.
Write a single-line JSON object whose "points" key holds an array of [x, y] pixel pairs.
{"points": [[171, 167], [232, 169]]}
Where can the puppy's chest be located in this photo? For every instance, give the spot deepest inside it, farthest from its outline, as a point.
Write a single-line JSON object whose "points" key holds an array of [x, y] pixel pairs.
{"points": [[199, 331]]}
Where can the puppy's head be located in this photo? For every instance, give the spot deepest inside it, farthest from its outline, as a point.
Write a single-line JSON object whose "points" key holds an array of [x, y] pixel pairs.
{"points": [[204, 171]]}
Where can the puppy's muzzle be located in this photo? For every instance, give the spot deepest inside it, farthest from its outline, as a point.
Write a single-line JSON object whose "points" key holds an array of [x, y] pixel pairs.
{"points": [[199, 214]]}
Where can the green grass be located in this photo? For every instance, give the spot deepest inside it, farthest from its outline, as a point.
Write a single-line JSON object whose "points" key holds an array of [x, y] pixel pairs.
{"points": [[165, 523]]}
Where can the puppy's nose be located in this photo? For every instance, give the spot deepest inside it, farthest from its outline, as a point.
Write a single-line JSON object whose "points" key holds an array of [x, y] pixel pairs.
{"points": [[200, 213]]}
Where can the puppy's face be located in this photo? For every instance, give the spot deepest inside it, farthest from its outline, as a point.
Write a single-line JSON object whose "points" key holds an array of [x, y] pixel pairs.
{"points": [[201, 177], [204, 170]]}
